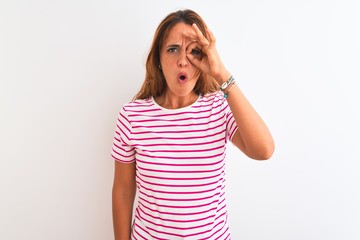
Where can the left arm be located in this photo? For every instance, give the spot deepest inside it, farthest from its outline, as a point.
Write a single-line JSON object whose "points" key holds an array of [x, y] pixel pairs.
{"points": [[252, 137]]}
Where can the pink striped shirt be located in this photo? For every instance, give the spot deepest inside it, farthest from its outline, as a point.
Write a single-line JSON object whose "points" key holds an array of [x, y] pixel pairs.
{"points": [[180, 161]]}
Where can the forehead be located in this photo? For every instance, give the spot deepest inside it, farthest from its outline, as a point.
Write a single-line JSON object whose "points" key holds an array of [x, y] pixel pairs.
{"points": [[175, 34]]}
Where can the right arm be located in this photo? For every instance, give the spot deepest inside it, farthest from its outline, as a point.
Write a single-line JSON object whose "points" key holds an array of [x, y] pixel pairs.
{"points": [[123, 195]]}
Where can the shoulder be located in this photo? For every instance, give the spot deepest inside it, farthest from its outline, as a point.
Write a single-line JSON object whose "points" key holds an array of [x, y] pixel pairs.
{"points": [[137, 105], [213, 97], [214, 100], [140, 108]]}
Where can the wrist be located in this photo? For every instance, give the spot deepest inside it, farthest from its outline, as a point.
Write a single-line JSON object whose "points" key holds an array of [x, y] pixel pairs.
{"points": [[223, 77], [226, 87], [226, 84]]}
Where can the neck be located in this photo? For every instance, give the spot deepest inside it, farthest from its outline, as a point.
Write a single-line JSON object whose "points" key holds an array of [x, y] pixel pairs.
{"points": [[171, 101]]}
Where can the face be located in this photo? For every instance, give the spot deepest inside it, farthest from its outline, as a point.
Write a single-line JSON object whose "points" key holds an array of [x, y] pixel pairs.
{"points": [[181, 76]]}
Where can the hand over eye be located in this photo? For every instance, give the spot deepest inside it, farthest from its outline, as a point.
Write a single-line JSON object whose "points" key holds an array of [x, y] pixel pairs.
{"points": [[195, 50]]}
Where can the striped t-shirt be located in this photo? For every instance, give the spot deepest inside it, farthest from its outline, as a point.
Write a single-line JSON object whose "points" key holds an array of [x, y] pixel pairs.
{"points": [[180, 163]]}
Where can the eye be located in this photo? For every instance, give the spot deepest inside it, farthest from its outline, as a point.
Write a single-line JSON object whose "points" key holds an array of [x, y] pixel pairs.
{"points": [[196, 52], [173, 49]]}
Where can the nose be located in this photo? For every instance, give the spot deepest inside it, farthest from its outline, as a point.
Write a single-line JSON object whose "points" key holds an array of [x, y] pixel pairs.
{"points": [[183, 61]]}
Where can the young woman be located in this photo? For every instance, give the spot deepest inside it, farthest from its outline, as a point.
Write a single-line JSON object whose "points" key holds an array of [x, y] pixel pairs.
{"points": [[170, 140]]}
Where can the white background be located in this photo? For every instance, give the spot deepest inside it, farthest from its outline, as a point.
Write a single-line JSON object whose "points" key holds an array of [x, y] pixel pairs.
{"points": [[67, 67]]}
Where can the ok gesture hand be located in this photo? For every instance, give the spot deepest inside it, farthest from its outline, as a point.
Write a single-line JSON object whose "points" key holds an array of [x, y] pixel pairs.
{"points": [[203, 54]]}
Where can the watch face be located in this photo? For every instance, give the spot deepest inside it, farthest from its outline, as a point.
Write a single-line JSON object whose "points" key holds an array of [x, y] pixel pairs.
{"points": [[224, 85]]}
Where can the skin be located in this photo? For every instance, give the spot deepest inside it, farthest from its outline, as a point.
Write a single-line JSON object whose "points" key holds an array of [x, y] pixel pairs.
{"points": [[180, 55], [123, 195], [174, 61], [252, 137]]}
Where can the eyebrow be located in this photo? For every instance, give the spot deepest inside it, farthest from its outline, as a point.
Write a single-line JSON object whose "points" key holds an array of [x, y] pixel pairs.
{"points": [[173, 45]]}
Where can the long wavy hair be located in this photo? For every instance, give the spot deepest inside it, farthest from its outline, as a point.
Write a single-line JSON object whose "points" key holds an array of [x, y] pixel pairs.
{"points": [[155, 84]]}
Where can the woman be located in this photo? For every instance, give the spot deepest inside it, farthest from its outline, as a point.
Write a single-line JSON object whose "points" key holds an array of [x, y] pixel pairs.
{"points": [[170, 140]]}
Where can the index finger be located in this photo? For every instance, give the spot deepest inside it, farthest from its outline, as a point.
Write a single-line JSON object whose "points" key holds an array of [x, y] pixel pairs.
{"points": [[192, 36], [202, 39]]}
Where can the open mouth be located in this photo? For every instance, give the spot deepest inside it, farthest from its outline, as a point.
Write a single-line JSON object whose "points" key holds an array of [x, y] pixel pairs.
{"points": [[182, 77]]}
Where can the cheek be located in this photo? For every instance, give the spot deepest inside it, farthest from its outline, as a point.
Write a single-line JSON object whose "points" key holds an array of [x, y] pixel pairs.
{"points": [[195, 72], [168, 59]]}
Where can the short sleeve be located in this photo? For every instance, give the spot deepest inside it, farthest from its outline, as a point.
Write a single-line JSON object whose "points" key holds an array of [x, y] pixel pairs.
{"points": [[231, 126], [122, 150]]}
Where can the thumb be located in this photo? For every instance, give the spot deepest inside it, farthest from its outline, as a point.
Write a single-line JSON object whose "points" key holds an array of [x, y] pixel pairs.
{"points": [[195, 61]]}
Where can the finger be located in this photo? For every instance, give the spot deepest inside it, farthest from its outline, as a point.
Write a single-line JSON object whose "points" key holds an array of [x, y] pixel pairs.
{"points": [[190, 35], [191, 39], [196, 62], [193, 45], [211, 35], [195, 50], [200, 35]]}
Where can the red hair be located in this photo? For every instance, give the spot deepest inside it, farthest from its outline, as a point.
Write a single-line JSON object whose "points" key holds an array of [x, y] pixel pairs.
{"points": [[155, 84]]}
